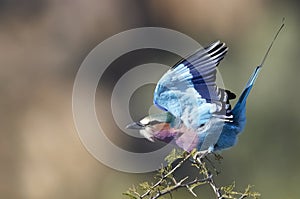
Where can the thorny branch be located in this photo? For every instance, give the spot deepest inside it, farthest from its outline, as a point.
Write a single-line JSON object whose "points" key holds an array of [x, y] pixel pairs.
{"points": [[167, 182], [165, 176]]}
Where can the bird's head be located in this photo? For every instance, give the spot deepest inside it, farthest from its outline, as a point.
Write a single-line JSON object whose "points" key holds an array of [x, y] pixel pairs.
{"points": [[155, 126]]}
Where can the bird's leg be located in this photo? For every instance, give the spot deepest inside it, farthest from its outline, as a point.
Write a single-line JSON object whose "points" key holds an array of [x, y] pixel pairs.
{"points": [[199, 155], [217, 156]]}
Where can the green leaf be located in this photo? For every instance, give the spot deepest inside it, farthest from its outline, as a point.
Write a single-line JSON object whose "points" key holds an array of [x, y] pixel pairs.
{"points": [[144, 186], [130, 195], [174, 155]]}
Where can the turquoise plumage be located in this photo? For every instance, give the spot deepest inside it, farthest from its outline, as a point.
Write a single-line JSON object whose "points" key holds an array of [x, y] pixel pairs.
{"points": [[197, 113]]}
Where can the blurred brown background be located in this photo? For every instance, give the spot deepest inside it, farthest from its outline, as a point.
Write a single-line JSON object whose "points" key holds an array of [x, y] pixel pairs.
{"points": [[43, 42]]}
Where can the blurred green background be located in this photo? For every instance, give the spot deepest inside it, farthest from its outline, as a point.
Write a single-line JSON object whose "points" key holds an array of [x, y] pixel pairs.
{"points": [[43, 42]]}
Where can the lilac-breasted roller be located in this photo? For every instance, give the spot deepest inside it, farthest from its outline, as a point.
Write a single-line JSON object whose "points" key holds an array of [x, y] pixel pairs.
{"points": [[197, 113]]}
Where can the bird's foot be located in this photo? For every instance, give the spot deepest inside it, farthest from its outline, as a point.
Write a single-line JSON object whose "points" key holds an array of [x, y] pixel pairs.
{"points": [[218, 157], [200, 155]]}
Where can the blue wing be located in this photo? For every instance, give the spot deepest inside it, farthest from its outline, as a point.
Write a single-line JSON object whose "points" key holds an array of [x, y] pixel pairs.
{"points": [[189, 91]]}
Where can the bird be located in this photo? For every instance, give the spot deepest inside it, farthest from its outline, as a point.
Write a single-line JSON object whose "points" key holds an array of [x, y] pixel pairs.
{"points": [[196, 113]]}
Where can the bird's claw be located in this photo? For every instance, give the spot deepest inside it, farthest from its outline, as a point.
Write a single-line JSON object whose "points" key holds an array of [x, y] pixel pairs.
{"points": [[199, 155]]}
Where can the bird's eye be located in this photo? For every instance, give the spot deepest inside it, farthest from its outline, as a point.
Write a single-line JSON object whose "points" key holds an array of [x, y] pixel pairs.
{"points": [[151, 123], [140, 124], [202, 125]]}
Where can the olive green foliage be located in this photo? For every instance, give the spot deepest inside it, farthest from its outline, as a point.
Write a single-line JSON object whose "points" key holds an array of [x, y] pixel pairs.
{"points": [[166, 180]]}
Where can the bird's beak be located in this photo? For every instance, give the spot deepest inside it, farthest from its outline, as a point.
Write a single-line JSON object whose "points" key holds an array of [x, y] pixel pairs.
{"points": [[135, 125]]}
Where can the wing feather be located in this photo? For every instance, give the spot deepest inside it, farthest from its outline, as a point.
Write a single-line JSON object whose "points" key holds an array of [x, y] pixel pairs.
{"points": [[188, 90]]}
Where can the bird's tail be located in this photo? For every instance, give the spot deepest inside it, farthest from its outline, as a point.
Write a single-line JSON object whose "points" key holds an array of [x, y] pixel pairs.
{"points": [[239, 109]]}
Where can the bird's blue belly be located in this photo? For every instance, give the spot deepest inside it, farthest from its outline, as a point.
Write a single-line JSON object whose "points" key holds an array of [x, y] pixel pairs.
{"points": [[224, 139], [228, 137]]}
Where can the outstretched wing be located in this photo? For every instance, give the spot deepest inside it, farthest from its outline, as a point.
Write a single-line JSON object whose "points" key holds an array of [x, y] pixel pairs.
{"points": [[189, 91]]}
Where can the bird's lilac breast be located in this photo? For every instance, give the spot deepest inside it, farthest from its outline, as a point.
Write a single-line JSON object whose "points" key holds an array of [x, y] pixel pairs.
{"points": [[164, 132], [185, 138]]}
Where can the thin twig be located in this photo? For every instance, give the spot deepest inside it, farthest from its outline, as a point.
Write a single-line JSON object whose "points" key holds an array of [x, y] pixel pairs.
{"points": [[180, 184], [209, 176], [166, 175]]}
